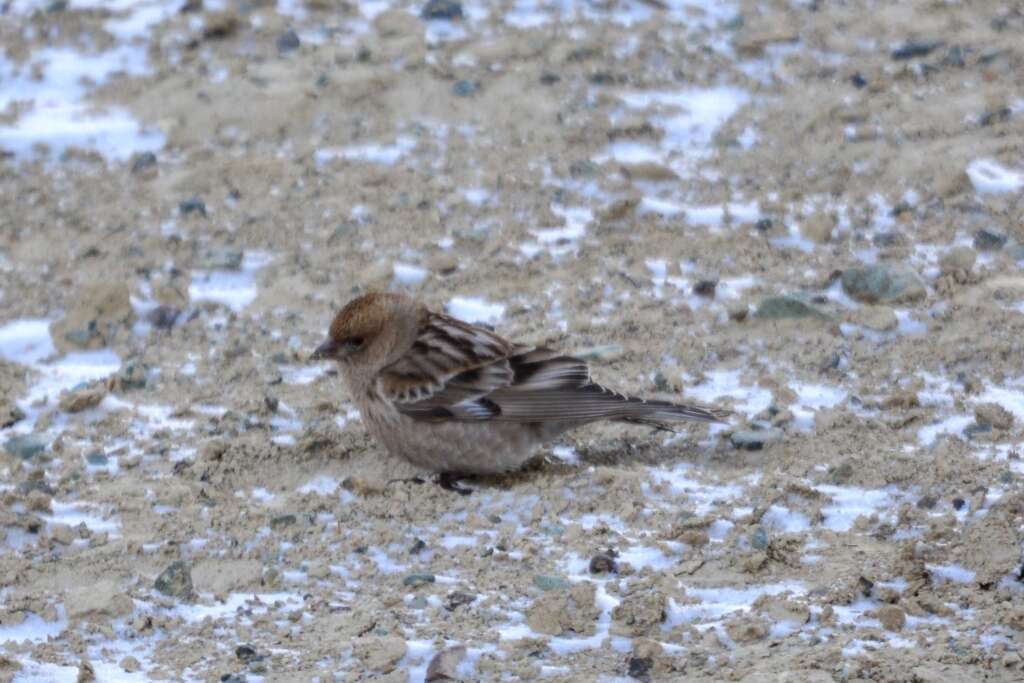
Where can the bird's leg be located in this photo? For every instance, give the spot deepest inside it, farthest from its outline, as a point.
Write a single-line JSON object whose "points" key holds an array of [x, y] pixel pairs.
{"points": [[451, 481]]}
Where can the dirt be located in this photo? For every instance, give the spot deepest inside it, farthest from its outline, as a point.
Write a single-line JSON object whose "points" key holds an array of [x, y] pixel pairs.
{"points": [[549, 168]]}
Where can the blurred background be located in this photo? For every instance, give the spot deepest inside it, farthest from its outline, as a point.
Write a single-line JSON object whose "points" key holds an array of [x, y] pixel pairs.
{"points": [[810, 212]]}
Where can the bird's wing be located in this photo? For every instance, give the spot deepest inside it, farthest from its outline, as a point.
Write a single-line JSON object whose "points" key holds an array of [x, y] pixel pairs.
{"points": [[450, 368], [456, 371]]}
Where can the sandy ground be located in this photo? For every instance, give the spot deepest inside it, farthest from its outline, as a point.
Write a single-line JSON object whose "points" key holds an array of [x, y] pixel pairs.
{"points": [[810, 212]]}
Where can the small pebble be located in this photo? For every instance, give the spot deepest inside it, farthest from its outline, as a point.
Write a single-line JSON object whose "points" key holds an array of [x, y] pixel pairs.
{"points": [[288, 41]]}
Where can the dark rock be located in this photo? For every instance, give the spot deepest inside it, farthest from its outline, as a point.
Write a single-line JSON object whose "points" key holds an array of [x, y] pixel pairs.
{"points": [[195, 205], [582, 169], [288, 41], [143, 163], [958, 503], [10, 415], [988, 240], [175, 581], [548, 78], [603, 78], [550, 583], [858, 81], [639, 668], [764, 224], [247, 653], [604, 563], [441, 9], [271, 403], [887, 239], [915, 48], [888, 283], [755, 439], [457, 599], [465, 88], [220, 25], [25, 447], [1000, 115], [414, 580], [926, 502], [281, 521], [163, 317], [705, 288], [417, 546], [788, 308]]}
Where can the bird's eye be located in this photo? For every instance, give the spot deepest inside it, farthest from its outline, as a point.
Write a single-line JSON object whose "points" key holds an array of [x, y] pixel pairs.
{"points": [[354, 343]]}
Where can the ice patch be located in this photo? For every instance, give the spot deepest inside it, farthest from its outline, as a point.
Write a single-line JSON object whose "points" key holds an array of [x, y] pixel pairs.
{"points": [[370, 153], [408, 274], [56, 113], [689, 118], [646, 557], [954, 424], [33, 629], [28, 342], [254, 603], [234, 289], [952, 572], [719, 384], [73, 514], [322, 485], [989, 177], [716, 603], [813, 397], [849, 503], [702, 497], [784, 520], [475, 309]]}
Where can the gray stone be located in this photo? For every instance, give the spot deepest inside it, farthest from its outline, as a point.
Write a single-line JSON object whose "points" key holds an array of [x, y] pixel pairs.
{"points": [[550, 583], [442, 9], [465, 88], [98, 459], [25, 447], [888, 283], [759, 538], [789, 308], [194, 205], [413, 580], [288, 41], [222, 258]]}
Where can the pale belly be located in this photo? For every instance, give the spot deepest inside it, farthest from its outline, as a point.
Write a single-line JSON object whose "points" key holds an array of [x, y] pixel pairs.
{"points": [[463, 447]]}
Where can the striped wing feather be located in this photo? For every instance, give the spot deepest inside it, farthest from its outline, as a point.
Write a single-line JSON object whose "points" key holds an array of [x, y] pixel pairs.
{"points": [[456, 371]]}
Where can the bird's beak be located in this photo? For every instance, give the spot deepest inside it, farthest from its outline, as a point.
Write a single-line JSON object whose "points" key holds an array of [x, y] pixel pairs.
{"points": [[327, 350]]}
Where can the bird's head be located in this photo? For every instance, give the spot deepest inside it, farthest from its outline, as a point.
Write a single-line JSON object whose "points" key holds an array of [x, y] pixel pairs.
{"points": [[371, 331]]}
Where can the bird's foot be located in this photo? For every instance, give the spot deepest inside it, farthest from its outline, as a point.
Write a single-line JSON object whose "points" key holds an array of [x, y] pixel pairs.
{"points": [[452, 481]]}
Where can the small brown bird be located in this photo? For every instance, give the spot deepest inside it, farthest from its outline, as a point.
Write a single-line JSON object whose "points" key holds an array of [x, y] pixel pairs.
{"points": [[458, 399]]}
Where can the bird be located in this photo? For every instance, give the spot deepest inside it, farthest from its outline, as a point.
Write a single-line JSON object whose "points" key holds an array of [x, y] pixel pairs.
{"points": [[458, 400]]}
